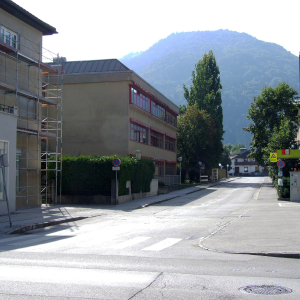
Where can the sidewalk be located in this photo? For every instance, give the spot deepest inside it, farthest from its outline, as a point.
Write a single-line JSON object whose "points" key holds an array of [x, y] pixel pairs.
{"points": [[264, 226]]}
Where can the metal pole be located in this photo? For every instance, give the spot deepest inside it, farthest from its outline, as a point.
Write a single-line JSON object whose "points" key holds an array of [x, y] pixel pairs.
{"points": [[200, 175], [180, 174], [116, 187]]}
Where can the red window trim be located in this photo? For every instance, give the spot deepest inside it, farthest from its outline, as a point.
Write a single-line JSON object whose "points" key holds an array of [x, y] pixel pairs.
{"points": [[171, 137], [151, 128], [159, 102], [139, 123]]}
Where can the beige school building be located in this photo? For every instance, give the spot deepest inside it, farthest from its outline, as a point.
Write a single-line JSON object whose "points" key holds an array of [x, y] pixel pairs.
{"points": [[109, 109]]}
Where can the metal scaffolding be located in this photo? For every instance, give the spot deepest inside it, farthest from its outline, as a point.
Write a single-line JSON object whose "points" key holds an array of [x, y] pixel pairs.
{"points": [[25, 89]]}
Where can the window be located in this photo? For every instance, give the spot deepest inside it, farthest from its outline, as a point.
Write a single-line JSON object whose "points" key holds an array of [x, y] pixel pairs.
{"points": [[27, 108], [157, 110], [2, 35], [159, 168], [138, 133], [140, 100], [143, 100], [170, 169], [3, 150], [171, 118], [156, 139], [8, 37], [170, 144], [245, 169]]}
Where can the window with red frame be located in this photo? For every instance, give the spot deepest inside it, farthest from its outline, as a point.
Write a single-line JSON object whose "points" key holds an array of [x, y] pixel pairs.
{"points": [[138, 133], [140, 100], [158, 111], [170, 169], [159, 168], [156, 139], [170, 144], [171, 119]]}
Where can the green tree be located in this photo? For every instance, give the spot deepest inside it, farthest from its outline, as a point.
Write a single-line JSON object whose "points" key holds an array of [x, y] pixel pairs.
{"points": [[235, 149], [205, 94], [226, 157], [274, 119], [196, 131]]}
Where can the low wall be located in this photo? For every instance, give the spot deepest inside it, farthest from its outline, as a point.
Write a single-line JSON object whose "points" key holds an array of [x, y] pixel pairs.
{"points": [[109, 200], [82, 199], [134, 196]]}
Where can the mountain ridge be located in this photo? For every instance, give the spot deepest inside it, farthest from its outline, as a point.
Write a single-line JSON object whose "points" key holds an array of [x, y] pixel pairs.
{"points": [[246, 66]]}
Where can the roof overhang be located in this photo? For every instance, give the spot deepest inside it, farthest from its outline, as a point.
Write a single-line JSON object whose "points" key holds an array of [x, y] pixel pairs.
{"points": [[25, 16]]}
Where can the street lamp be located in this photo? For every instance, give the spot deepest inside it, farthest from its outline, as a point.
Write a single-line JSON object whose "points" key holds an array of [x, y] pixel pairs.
{"points": [[200, 164], [138, 154], [180, 160], [227, 169]]}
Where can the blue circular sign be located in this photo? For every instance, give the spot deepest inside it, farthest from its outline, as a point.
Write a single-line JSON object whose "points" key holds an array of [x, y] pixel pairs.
{"points": [[116, 162], [281, 164]]}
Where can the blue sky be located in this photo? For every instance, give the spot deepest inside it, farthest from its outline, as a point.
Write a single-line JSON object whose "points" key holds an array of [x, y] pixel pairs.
{"points": [[97, 29]]}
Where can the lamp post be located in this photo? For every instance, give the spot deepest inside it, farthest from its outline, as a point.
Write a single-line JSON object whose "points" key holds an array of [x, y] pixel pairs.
{"points": [[180, 160], [227, 169], [200, 164], [138, 154]]}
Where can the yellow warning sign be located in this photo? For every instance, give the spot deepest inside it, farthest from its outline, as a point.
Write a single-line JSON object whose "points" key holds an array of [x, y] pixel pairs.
{"points": [[273, 157]]}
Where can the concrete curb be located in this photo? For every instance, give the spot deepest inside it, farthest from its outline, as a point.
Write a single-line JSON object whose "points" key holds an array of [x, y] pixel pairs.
{"points": [[173, 197], [45, 224], [269, 254]]}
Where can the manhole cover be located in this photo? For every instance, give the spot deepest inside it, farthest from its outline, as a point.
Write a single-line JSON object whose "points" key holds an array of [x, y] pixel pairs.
{"points": [[265, 289]]}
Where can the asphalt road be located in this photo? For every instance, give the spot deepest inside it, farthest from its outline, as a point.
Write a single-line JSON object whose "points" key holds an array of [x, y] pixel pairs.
{"points": [[149, 253]]}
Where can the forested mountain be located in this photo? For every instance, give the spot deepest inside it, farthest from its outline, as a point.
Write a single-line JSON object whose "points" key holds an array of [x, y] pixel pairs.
{"points": [[246, 66]]}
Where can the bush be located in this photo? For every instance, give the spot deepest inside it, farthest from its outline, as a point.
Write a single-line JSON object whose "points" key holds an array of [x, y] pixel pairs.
{"points": [[92, 175]]}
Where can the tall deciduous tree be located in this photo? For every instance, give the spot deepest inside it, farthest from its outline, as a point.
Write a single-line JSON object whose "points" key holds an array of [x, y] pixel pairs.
{"points": [[205, 94], [274, 119], [196, 131]]}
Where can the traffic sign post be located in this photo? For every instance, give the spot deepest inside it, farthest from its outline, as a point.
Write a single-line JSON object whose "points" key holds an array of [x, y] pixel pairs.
{"points": [[280, 164], [116, 167]]}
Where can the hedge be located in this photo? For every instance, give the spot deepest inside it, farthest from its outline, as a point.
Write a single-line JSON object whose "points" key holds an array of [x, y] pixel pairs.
{"points": [[92, 175]]}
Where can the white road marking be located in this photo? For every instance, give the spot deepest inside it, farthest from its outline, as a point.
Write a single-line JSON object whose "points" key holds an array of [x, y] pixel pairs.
{"points": [[163, 244], [131, 242]]}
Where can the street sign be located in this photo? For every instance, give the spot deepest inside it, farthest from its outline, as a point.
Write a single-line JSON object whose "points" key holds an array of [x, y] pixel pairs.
{"points": [[281, 164], [273, 157], [116, 168], [116, 162]]}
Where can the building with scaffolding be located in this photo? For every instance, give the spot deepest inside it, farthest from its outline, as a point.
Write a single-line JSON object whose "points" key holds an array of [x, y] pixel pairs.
{"points": [[109, 109], [26, 101]]}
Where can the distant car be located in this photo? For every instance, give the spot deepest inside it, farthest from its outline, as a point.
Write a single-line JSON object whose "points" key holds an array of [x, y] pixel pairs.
{"points": [[231, 172]]}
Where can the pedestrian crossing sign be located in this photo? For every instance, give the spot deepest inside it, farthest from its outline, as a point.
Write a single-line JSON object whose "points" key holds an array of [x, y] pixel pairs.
{"points": [[273, 157]]}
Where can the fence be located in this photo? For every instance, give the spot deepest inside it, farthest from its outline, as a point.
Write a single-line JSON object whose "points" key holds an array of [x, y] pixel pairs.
{"points": [[168, 179]]}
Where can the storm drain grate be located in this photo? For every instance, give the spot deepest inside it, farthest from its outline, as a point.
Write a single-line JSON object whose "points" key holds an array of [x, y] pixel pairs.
{"points": [[265, 289]]}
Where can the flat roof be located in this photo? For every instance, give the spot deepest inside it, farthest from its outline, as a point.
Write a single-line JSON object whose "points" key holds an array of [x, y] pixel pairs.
{"points": [[25, 16]]}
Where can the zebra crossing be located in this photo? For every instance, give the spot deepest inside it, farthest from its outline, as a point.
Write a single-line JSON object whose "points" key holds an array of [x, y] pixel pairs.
{"points": [[38, 242]]}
